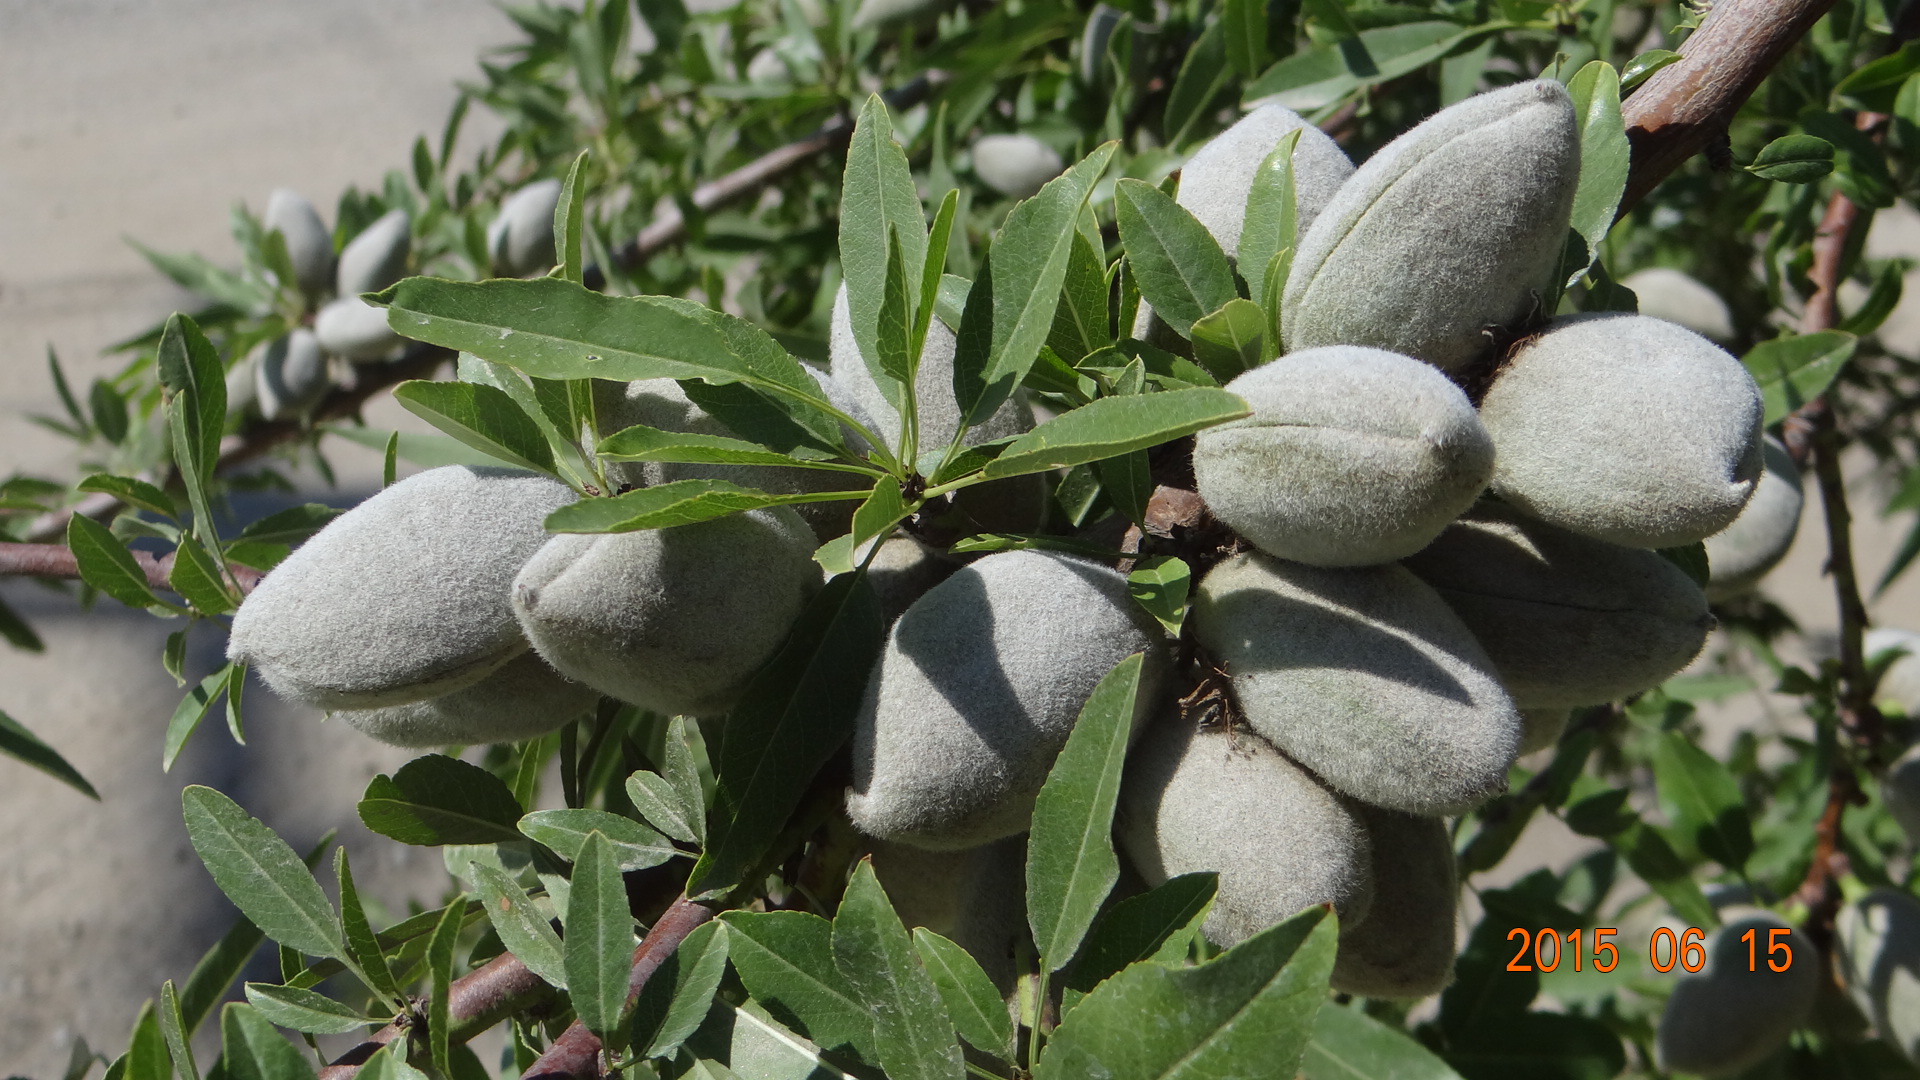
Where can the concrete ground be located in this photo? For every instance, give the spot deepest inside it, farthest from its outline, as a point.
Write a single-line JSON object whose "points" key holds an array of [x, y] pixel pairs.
{"points": [[146, 119]]}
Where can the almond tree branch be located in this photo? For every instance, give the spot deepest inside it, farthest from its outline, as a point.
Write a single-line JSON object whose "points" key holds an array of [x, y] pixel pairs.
{"points": [[1686, 105], [56, 561], [476, 1001]]}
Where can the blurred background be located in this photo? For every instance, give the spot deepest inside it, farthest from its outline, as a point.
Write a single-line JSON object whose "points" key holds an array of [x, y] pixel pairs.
{"points": [[147, 119]]}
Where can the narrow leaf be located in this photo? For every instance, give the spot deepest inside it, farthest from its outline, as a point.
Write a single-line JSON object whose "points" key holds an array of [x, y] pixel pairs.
{"points": [[304, 1010], [1071, 866], [1249, 1012], [261, 875], [785, 960], [1794, 370], [1272, 222], [1144, 928], [679, 994], [912, 1034], [436, 799], [1348, 1044], [106, 564], [1010, 309], [1595, 89], [1793, 159], [1112, 426], [132, 491], [362, 944], [187, 715], [1704, 799], [680, 771], [632, 845], [522, 928], [1181, 270], [682, 502], [196, 577], [173, 1028], [642, 443], [1233, 339], [793, 716], [442, 963], [1081, 320], [481, 417], [878, 202], [599, 943], [250, 1049], [1244, 26], [974, 1004], [196, 381], [22, 745], [569, 221], [655, 798]]}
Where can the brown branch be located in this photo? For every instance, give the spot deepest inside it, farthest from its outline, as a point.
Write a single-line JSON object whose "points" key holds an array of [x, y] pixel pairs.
{"points": [[1686, 105], [670, 227], [475, 1002], [576, 1053], [56, 561]]}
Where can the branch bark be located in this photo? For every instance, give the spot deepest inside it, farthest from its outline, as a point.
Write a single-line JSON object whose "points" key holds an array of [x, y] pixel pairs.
{"points": [[475, 1002], [56, 561], [1689, 103]]}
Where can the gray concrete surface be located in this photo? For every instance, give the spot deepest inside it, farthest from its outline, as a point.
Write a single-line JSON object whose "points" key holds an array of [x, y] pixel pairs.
{"points": [[148, 119]]}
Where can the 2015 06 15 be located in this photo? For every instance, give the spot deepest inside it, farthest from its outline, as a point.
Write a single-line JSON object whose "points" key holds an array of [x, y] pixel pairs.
{"points": [[1666, 949]]}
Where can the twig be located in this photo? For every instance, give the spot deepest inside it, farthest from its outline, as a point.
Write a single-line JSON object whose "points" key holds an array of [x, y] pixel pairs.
{"points": [[476, 1001], [1687, 104], [670, 227], [56, 561], [576, 1053]]}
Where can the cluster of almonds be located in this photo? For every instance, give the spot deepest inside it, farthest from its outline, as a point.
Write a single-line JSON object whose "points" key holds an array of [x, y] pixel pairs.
{"points": [[1430, 585], [287, 376]]}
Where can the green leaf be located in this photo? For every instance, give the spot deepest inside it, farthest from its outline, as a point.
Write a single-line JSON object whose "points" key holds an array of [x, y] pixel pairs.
{"points": [[873, 518], [878, 204], [522, 928], [362, 944], [912, 1035], [1319, 76], [680, 771], [221, 964], [17, 632], [1204, 76], [442, 962], [427, 450], [1882, 299], [632, 845], [1233, 339], [1541, 1044], [173, 1029], [1643, 65], [978, 1013], [682, 502], [1692, 561], [261, 875], [1159, 583], [931, 279], [785, 960], [1348, 1044], [250, 1049], [1595, 89], [569, 221], [655, 798], [1650, 856], [390, 1063], [236, 685], [598, 947], [187, 715], [1873, 85], [1272, 221], [196, 577], [106, 564], [1071, 866], [390, 461], [642, 443], [436, 799], [1155, 926], [109, 411], [1080, 320], [22, 745], [1703, 800], [554, 329], [304, 1010], [1181, 270], [1010, 309], [1793, 159], [1128, 481], [146, 1057], [893, 333], [1113, 426], [193, 376], [132, 491], [678, 995], [1244, 24], [1249, 1012], [481, 417], [1859, 162], [794, 715], [292, 525], [1794, 370]]}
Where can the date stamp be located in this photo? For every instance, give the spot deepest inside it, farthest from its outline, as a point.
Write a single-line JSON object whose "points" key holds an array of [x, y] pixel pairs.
{"points": [[1544, 950]]}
